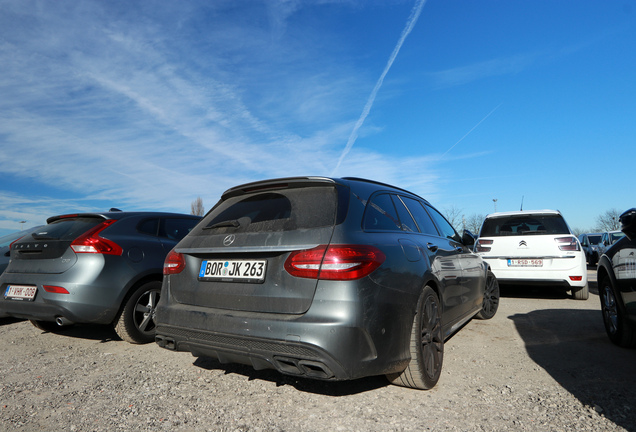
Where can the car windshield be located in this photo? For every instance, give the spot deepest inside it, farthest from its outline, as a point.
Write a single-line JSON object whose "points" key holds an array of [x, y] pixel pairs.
{"points": [[524, 225], [616, 236]]}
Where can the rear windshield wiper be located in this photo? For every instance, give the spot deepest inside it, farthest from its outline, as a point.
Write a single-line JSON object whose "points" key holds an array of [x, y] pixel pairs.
{"points": [[228, 223]]}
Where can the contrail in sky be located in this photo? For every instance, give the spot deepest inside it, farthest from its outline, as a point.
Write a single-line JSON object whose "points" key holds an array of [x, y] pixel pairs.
{"points": [[473, 128], [415, 13]]}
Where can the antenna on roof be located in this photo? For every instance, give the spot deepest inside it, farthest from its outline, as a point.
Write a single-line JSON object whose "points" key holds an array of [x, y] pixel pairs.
{"points": [[521, 209]]}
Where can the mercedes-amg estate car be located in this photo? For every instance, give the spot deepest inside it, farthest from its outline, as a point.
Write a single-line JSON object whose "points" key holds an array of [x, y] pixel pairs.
{"points": [[616, 275], [324, 278], [98, 268], [533, 248]]}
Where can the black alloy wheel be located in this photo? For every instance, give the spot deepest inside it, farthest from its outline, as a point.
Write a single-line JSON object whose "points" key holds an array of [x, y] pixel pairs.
{"points": [[617, 326], [491, 298], [427, 345]]}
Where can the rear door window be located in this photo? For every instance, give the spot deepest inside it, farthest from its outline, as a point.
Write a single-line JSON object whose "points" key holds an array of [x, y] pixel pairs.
{"points": [[424, 221], [149, 226], [176, 228], [445, 228]]}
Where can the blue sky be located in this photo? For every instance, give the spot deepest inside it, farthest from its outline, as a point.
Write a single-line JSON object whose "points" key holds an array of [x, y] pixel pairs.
{"points": [[146, 105]]}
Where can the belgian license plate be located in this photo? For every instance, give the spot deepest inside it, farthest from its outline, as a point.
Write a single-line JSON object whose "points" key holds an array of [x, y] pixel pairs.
{"points": [[252, 271], [20, 292], [525, 263]]}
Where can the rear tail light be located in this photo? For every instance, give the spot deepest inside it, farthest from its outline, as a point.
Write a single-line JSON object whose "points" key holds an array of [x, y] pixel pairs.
{"points": [[483, 245], [568, 243], [91, 242], [174, 263], [335, 262]]}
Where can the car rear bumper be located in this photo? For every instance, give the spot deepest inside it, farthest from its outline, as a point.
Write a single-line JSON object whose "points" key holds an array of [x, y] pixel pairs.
{"points": [[554, 272], [334, 340], [95, 303]]}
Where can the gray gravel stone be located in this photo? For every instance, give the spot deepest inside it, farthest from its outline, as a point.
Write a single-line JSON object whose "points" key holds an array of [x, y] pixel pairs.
{"points": [[542, 364]]}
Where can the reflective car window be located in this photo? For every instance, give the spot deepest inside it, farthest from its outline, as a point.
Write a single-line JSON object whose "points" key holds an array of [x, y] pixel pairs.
{"points": [[177, 228], [149, 226], [422, 218], [406, 221], [380, 214], [524, 224], [443, 225], [284, 210], [66, 229]]}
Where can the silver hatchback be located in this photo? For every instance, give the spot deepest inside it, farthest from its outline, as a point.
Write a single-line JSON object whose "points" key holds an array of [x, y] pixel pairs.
{"points": [[99, 268]]}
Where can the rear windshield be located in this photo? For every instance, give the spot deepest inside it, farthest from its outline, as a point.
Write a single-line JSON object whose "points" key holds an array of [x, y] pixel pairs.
{"points": [[282, 210], [594, 239], [66, 229], [524, 225]]}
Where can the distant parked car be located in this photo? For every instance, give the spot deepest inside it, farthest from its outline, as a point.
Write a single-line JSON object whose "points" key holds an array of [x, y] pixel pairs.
{"points": [[323, 278], [589, 243], [533, 248], [608, 239], [99, 268], [616, 275]]}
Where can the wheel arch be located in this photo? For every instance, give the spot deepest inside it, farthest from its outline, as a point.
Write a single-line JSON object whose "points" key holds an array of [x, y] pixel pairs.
{"points": [[133, 286], [603, 269]]}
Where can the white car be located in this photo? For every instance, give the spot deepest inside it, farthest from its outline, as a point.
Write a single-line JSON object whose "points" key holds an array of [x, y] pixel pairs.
{"points": [[533, 247]]}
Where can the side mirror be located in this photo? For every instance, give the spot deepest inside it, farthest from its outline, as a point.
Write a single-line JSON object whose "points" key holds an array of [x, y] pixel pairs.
{"points": [[628, 223], [468, 238]]}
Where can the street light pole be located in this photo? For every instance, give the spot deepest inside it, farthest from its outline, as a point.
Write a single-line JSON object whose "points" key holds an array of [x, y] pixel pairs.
{"points": [[494, 200]]}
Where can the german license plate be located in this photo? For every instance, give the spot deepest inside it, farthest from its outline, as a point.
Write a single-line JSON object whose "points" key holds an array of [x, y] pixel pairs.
{"points": [[20, 292], [525, 263], [252, 271]]}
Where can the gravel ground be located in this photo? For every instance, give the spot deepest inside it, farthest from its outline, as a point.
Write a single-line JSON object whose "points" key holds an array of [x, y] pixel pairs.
{"points": [[542, 364]]}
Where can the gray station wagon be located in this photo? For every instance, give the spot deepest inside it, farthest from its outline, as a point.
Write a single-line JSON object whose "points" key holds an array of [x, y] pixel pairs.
{"points": [[324, 278]]}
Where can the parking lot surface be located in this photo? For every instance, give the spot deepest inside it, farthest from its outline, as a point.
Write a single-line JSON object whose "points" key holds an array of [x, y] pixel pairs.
{"points": [[543, 363]]}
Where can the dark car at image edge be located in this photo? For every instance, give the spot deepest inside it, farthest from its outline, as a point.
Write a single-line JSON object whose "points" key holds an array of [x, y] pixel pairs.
{"points": [[93, 268], [324, 278], [616, 275]]}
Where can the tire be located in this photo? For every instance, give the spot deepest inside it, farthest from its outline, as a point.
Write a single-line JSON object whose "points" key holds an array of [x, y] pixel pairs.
{"points": [[581, 293], [617, 326], [491, 298], [136, 321], [426, 345], [47, 326], [593, 259]]}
